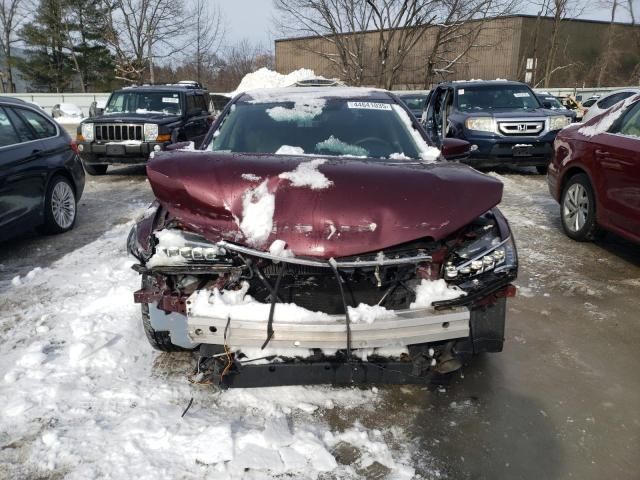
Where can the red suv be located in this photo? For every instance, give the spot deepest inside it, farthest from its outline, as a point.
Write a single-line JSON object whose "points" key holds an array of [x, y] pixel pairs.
{"points": [[595, 174]]}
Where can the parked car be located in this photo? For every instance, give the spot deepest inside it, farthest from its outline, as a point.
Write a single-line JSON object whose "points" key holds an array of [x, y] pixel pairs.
{"points": [[595, 174], [608, 101], [66, 111], [552, 103], [504, 121], [415, 100], [590, 101], [319, 225], [139, 120], [41, 176]]}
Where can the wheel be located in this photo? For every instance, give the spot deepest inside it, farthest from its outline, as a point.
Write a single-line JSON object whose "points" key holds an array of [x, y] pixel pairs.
{"points": [[160, 340], [542, 170], [578, 209], [96, 169], [60, 206]]}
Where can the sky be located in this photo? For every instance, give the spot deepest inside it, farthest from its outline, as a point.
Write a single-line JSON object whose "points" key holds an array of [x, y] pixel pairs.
{"points": [[252, 19]]}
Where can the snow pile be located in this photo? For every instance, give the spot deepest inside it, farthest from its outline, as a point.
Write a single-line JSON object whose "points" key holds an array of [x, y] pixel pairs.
{"points": [[265, 78], [336, 145], [364, 313], [67, 120], [289, 150], [429, 291], [279, 249], [17, 280], [258, 206], [427, 153], [83, 395], [604, 122], [307, 174], [398, 156], [238, 305], [303, 111]]}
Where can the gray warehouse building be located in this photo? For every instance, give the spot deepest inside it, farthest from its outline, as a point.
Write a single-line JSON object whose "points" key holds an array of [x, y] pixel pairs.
{"points": [[512, 47]]}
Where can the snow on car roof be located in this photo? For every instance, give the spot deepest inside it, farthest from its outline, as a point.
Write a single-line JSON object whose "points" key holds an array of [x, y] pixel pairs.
{"points": [[286, 94]]}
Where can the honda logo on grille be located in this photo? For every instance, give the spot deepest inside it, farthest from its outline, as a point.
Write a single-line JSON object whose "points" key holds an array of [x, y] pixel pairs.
{"points": [[522, 127]]}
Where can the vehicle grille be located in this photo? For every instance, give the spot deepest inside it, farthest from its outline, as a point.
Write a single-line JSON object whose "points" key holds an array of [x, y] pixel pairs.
{"points": [[521, 128], [118, 132]]}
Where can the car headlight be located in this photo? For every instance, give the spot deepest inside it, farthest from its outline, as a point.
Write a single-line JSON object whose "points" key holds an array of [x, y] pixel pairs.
{"points": [[484, 255], [558, 123], [480, 124], [150, 132], [176, 247], [88, 132]]}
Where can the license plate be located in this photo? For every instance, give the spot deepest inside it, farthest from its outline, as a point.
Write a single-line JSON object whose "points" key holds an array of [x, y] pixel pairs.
{"points": [[115, 150], [522, 151]]}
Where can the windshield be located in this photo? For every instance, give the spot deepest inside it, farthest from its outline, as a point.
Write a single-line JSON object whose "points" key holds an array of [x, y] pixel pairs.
{"points": [[163, 103], [414, 102], [551, 102], [496, 97], [320, 127]]}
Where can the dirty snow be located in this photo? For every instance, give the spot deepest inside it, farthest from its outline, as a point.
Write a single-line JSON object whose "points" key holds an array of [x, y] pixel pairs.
{"points": [[427, 153], [429, 291], [303, 111], [289, 150], [84, 395], [258, 206], [605, 121], [265, 78], [307, 174], [339, 147]]}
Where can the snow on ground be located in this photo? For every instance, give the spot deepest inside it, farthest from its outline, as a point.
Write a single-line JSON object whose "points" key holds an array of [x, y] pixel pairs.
{"points": [[265, 78], [83, 395]]}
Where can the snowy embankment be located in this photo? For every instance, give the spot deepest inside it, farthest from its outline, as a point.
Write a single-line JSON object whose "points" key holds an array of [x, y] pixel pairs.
{"points": [[84, 396]]}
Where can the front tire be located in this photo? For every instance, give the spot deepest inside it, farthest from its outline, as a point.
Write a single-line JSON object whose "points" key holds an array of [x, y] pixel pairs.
{"points": [[578, 209], [60, 206], [542, 170], [160, 340], [96, 169]]}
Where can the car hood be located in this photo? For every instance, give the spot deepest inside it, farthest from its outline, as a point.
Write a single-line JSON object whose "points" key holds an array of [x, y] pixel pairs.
{"points": [[368, 205], [507, 114], [134, 118]]}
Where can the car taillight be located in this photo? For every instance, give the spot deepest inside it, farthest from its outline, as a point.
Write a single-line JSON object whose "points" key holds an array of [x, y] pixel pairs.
{"points": [[74, 146]]}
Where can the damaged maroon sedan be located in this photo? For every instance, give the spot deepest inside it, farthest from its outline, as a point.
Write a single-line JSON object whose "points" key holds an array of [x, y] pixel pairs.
{"points": [[317, 238]]}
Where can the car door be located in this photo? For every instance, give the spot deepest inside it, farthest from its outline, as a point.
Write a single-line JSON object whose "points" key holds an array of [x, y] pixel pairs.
{"points": [[617, 154], [20, 176], [197, 118], [435, 116]]}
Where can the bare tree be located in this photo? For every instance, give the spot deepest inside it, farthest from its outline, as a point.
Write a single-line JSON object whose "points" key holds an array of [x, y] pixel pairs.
{"points": [[605, 60], [10, 19], [141, 31], [208, 35]]}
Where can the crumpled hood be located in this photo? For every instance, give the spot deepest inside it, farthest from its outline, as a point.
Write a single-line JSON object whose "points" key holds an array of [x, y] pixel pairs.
{"points": [[367, 207]]}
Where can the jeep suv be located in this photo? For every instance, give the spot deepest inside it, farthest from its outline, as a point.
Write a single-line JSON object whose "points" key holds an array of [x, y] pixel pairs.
{"points": [[504, 121], [138, 120]]}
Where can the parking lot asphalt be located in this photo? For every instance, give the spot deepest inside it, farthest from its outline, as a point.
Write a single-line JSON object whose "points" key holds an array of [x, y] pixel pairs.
{"points": [[560, 402]]}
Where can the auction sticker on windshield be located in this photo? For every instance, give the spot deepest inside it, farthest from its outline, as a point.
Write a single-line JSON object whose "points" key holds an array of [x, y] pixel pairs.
{"points": [[170, 100], [369, 105]]}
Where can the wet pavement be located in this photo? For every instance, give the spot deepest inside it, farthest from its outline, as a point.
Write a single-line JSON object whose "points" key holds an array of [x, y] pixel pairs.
{"points": [[560, 402]]}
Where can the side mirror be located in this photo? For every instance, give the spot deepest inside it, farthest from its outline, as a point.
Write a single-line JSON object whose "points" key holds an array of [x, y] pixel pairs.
{"points": [[455, 149], [177, 146], [547, 105]]}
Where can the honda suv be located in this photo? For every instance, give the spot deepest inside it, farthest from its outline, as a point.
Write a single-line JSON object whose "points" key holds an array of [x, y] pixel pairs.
{"points": [[139, 120], [504, 121]]}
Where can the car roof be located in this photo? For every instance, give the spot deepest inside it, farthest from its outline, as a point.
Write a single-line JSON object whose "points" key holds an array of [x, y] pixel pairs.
{"points": [[402, 93], [266, 95], [14, 100], [476, 83]]}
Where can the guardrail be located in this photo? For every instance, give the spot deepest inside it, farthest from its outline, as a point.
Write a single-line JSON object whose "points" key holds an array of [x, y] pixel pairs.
{"points": [[48, 100]]}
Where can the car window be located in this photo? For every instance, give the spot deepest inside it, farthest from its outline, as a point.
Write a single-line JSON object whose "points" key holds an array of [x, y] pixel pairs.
{"points": [[611, 100], [8, 134], [630, 124], [496, 97], [414, 102], [333, 127], [202, 103], [161, 103], [25, 132], [42, 127]]}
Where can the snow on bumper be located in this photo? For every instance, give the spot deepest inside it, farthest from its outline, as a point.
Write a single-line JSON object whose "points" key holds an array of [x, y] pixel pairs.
{"points": [[406, 327]]}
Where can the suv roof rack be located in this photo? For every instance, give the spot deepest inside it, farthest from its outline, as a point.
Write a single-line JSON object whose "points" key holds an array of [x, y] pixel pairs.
{"points": [[191, 84], [318, 82]]}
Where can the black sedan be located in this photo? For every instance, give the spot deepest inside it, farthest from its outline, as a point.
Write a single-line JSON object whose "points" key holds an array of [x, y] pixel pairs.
{"points": [[41, 176]]}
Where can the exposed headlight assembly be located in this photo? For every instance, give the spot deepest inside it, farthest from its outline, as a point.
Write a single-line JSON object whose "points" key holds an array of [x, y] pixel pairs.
{"points": [[87, 132], [150, 132], [480, 124], [176, 247], [558, 123], [498, 256]]}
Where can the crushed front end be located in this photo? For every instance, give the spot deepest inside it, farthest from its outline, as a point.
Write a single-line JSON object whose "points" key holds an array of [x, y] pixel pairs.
{"points": [[264, 317]]}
